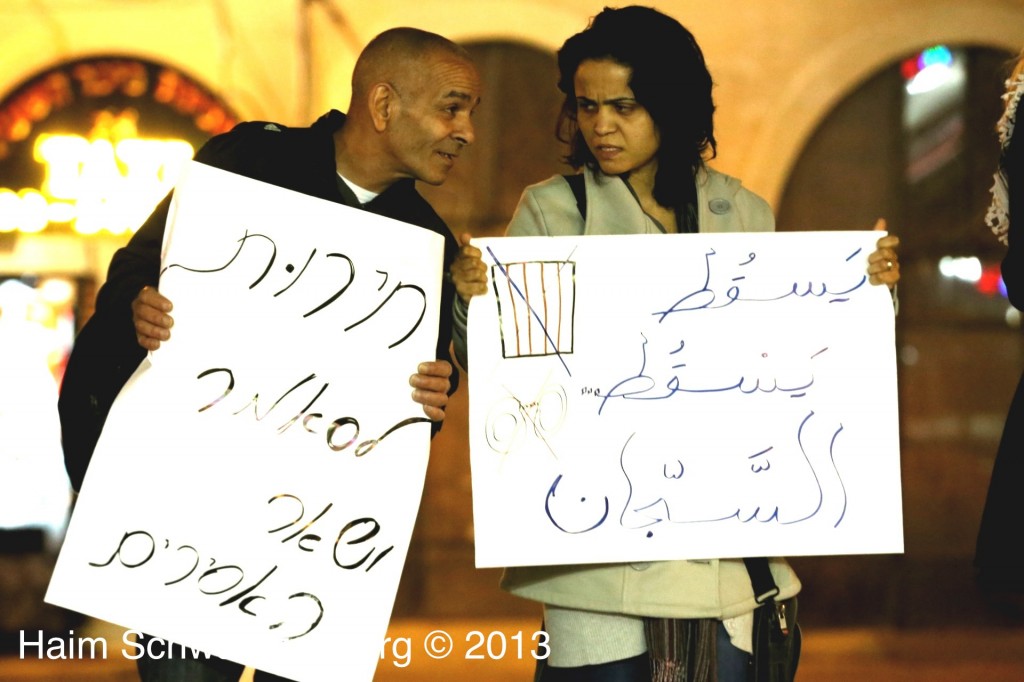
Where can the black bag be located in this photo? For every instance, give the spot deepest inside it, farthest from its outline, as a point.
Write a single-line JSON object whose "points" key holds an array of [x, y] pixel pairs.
{"points": [[776, 632]]}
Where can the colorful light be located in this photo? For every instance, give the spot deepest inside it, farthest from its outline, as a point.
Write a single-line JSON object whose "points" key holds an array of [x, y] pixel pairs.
{"points": [[96, 183], [990, 281], [928, 70], [937, 55]]}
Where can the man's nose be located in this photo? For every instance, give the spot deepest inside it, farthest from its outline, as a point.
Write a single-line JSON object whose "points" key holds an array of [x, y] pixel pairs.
{"points": [[465, 132]]}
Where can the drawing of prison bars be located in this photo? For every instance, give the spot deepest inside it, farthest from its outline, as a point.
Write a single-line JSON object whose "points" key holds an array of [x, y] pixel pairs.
{"points": [[536, 303]]}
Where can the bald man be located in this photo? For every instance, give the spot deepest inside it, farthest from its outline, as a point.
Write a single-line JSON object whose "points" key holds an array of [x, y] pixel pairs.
{"points": [[413, 94]]}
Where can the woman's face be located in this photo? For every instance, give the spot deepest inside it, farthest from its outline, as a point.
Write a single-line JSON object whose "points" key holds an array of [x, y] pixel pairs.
{"points": [[618, 130]]}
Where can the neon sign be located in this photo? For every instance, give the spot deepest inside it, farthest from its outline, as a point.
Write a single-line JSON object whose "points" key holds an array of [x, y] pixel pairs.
{"points": [[93, 145]]}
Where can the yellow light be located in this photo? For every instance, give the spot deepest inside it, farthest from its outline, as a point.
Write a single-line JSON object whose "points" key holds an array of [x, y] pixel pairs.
{"points": [[154, 160], [87, 226], [10, 205], [95, 184], [56, 291], [33, 211], [62, 156], [60, 212]]}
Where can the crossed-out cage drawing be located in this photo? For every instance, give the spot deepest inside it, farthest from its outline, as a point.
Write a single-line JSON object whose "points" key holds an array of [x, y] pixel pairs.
{"points": [[536, 304]]}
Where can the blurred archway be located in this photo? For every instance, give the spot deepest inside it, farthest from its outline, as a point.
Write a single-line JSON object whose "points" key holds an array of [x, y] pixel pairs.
{"points": [[919, 149]]}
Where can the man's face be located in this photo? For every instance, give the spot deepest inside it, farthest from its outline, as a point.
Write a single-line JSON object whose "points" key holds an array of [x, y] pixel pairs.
{"points": [[433, 121]]}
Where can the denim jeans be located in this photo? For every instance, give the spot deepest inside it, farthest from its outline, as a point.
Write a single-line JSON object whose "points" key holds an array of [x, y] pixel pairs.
{"points": [[733, 664], [636, 669]]}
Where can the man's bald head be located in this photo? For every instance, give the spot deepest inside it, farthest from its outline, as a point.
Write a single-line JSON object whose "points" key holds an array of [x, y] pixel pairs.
{"points": [[413, 97], [397, 55]]}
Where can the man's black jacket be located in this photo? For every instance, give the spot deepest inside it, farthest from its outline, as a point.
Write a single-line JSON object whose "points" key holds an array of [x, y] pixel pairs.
{"points": [[106, 351]]}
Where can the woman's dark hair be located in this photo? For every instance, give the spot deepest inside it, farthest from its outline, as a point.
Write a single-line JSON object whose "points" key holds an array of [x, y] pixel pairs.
{"points": [[669, 79]]}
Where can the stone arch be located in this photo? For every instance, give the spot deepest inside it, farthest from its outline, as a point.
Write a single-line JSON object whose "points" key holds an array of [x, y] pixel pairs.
{"points": [[832, 73]]}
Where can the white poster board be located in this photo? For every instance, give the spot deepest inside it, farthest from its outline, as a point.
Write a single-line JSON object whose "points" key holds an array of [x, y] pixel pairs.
{"points": [[650, 397], [257, 481]]}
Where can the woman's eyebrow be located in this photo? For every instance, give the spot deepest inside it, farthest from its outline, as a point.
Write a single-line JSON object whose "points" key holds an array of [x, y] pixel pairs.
{"points": [[610, 100]]}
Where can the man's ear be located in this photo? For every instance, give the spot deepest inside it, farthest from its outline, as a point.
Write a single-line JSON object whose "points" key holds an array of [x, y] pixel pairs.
{"points": [[383, 105]]}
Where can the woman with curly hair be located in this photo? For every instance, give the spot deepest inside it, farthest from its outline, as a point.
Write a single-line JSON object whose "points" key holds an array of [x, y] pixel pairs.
{"points": [[638, 119]]}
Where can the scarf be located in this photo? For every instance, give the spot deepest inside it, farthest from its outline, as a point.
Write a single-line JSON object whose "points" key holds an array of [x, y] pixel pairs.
{"points": [[682, 650]]}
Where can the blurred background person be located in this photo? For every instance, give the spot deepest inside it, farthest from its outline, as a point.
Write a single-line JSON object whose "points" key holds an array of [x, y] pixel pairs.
{"points": [[999, 557]]}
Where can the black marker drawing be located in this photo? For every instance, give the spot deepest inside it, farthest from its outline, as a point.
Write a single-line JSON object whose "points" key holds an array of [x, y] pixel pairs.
{"points": [[335, 272], [139, 550]]}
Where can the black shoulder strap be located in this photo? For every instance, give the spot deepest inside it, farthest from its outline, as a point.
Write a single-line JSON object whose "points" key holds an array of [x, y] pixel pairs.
{"points": [[579, 191], [761, 579]]}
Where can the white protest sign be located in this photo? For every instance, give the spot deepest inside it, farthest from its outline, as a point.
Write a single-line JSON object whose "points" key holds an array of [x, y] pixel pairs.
{"points": [[651, 397], [257, 481]]}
